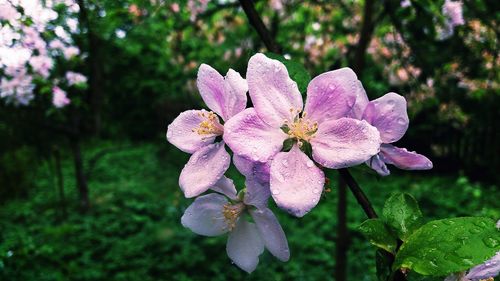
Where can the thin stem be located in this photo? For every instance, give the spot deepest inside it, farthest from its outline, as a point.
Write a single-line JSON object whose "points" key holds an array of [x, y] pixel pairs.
{"points": [[358, 193], [260, 27]]}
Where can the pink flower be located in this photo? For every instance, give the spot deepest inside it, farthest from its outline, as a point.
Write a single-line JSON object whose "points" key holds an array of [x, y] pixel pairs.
{"points": [[175, 7], [59, 97], [19, 89], [405, 3], [41, 65], [214, 215], [8, 12], [70, 52], [75, 78], [388, 114], [194, 131], [278, 115]]}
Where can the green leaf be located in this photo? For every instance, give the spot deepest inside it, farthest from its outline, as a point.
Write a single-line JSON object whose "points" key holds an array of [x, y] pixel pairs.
{"points": [[445, 246], [296, 71], [383, 263], [402, 213], [377, 232]]}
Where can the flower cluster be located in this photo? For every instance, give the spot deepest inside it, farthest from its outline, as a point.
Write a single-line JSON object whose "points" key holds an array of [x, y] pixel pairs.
{"points": [[281, 146], [32, 38]]}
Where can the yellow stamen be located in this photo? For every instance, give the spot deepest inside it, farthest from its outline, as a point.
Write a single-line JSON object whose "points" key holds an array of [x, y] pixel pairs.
{"points": [[302, 129], [231, 213], [210, 124]]}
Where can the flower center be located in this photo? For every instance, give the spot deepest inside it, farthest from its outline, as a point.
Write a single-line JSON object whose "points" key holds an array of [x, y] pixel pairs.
{"points": [[231, 213], [210, 124], [301, 129]]}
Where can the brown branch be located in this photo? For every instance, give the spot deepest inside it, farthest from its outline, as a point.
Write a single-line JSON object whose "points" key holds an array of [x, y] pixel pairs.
{"points": [[358, 193], [367, 28], [260, 27]]}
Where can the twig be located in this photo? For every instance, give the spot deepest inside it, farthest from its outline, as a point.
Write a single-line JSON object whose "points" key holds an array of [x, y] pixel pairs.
{"points": [[358, 193], [258, 24]]}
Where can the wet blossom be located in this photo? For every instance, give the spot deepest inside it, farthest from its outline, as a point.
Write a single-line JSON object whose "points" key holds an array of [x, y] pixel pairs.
{"points": [[224, 212], [278, 115], [388, 114], [195, 131], [59, 97]]}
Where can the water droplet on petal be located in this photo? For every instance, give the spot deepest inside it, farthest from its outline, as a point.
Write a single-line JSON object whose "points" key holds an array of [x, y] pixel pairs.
{"points": [[310, 164]]}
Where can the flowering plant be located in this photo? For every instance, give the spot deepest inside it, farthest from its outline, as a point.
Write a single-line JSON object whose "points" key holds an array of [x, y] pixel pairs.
{"points": [[283, 148]]}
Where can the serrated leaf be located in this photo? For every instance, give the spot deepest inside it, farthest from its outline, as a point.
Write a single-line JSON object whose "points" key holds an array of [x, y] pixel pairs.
{"points": [[383, 264], [401, 212], [377, 232], [296, 71], [446, 246]]}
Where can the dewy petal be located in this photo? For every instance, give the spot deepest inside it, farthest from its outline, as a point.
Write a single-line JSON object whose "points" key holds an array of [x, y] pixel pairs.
{"points": [[378, 165], [250, 137], [331, 95], [272, 91], [180, 132], [244, 245], [252, 169], [296, 183], [204, 216], [388, 114], [225, 186], [344, 142], [491, 268], [404, 159], [272, 233], [256, 194], [205, 167], [211, 86], [360, 104], [235, 93]]}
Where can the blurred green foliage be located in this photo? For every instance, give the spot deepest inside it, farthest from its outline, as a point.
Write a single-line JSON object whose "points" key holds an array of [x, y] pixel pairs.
{"points": [[133, 230]]}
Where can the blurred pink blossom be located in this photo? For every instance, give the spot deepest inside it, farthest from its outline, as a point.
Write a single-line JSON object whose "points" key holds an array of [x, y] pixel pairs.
{"points": [[175, 7], [41, 65], [75, 78], [453, 11], [59, 97]]}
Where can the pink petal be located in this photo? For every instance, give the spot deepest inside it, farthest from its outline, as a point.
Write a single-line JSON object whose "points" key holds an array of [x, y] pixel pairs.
{"points": [[272, 91], [235, 93], [204, 169], [344, 142], [296, 183], [211, 86], [360, 104], [490, 268], [256, 194], [272, 233], [378, 165], [388, 114], [252, 169], [180, 131], [404, 159], [244, 245], [204, 216], [331, 95], [248, 136], [225, 186]]}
